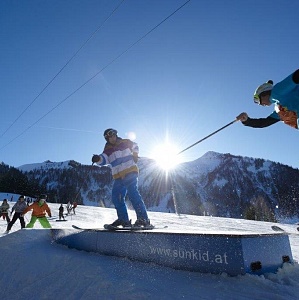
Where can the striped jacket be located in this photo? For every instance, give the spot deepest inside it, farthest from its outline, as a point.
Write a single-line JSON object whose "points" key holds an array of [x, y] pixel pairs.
{"points": [[120, 157], [19, 206]]}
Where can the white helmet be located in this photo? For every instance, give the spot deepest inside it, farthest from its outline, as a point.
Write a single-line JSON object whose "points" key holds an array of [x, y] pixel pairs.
{"points": [[265, 87]]}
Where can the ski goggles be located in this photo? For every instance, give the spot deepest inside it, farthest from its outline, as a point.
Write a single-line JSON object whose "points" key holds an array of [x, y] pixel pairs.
{"points": [[257, 99], [110, 133]]}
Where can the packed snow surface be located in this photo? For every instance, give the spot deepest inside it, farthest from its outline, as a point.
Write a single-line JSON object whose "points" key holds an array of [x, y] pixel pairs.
{"points": [[35, 267]]}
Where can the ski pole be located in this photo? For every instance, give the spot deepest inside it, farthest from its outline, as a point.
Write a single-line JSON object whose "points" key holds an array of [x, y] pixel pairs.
{"points": [[208, 136]]}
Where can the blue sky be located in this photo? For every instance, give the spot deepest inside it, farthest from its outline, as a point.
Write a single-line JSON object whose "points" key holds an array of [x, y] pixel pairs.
{"points": [[190, 76]]}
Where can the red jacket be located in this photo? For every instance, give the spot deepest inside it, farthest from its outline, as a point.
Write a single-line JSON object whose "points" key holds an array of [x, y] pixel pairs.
{"points": [[38, 209]]}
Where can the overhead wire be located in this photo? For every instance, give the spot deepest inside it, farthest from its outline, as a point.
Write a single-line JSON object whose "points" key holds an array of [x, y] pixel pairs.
{"points": [[65, 65], [96, 74]]}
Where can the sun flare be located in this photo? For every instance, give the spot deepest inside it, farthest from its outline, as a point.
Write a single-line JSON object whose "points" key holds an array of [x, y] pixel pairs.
{"points": [[166, 156]]}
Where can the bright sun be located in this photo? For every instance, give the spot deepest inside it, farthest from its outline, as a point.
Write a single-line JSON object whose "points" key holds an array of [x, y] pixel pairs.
{"points": [[166, 156]]}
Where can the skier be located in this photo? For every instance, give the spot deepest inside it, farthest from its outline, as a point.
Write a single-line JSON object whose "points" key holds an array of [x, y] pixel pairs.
{"points": [[284, 95], [19, 207], [61, 210], [69, 208], [74, 206], [122, 155], [4, 211], [39, 209]]}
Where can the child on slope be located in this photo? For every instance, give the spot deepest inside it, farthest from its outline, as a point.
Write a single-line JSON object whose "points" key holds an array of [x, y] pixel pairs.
{"points": [[39, 210]]}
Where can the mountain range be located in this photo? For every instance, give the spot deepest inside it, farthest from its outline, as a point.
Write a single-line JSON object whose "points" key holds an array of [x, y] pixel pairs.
{"points": [[215, 184]]}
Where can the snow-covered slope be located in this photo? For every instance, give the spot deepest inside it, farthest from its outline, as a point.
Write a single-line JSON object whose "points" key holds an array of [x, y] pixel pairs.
{"points": [[35, 268]]}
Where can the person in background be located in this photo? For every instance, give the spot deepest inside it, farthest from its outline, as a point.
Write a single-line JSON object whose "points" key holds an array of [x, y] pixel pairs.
{"points": [[61, 210], [74, 207], [39, 210], [69, 208], [18, 208], [4, 210], [285, 97], [122, 155]]}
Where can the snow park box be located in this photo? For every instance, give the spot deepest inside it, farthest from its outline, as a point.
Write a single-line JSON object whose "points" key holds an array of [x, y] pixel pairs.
{"points": [[231, 253]]}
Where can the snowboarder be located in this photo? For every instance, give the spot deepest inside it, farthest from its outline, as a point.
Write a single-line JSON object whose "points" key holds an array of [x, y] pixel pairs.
{"points": [[284, 95], [39, 210], [19, 207], [61, 210], [122, 155], [4, 211]]}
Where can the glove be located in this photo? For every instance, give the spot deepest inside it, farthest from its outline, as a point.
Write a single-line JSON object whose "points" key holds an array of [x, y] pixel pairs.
{"points": [[96, 158], [242, 117]]}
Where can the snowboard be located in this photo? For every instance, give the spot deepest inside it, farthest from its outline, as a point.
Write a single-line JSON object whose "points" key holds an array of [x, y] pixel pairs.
{"points": [[108, 227], [132, 228], [279, 229]]}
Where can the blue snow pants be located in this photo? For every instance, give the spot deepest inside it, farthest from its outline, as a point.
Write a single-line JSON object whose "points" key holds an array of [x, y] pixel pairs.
{"points": [[122, 187]]}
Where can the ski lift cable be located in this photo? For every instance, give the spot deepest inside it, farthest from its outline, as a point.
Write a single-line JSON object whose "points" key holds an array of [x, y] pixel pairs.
{"points": [[96, 74], [65, 65]]}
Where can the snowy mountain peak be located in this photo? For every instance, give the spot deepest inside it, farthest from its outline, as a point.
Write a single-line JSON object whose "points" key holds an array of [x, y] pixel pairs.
{"points": [[48, 165], [214, 184]]}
